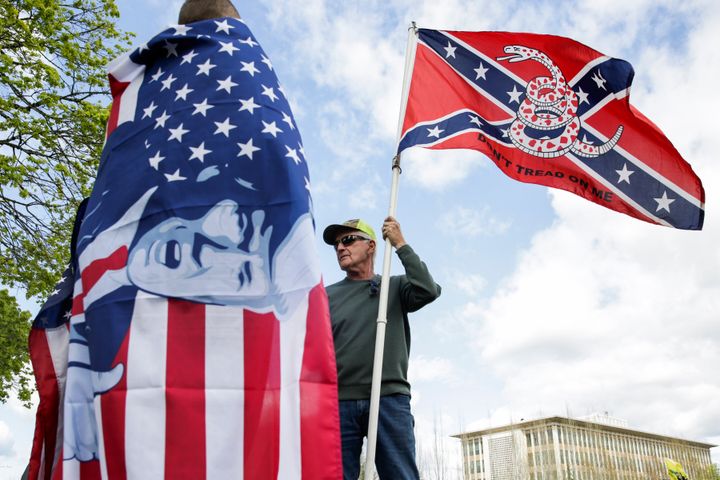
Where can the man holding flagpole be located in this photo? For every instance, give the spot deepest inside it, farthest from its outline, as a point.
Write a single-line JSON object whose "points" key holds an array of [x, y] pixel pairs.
{"points": [[353, 311]]}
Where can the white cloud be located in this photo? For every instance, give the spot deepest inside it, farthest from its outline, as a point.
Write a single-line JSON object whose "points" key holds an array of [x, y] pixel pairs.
{"points": [[438, 169], [356, 54], [465, 222], [453, 14], [347, 49], [471, 284], [19, 409], [342, 132], [590, 300], [606, 312], [424, 369], [495, 418], [368, 194], [6, 441]]}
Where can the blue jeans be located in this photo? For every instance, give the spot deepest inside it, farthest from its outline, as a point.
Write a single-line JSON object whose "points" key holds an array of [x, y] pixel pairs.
{"points": [[395, 452]]}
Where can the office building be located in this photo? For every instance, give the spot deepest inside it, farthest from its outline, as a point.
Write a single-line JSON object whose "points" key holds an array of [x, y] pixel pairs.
{"points": [[558, 448]]}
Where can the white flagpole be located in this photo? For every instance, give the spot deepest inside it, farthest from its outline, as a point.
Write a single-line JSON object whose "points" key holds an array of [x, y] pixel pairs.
{"points": [[385, 284]]}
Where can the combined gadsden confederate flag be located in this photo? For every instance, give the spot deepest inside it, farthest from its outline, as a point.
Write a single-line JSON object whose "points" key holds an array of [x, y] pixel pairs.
{"points": [[198, 344], [551, 111]]}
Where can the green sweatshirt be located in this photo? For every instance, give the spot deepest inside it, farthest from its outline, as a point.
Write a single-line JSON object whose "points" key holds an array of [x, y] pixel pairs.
{"points": [[353, 312]]}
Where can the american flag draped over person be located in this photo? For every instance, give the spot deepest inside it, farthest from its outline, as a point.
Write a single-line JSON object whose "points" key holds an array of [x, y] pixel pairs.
{"points": [[199, 342], [551, 111], [48, 346]]}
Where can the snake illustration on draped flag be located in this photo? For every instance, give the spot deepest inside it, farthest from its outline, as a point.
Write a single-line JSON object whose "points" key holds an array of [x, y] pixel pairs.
{"points": [[550, 105]]}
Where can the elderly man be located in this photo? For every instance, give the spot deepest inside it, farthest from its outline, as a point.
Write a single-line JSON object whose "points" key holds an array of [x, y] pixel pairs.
{"points": [[353, 311]]}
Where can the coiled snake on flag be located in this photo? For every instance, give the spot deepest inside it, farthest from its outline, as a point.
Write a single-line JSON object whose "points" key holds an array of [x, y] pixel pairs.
{"points": [[550, 104]]}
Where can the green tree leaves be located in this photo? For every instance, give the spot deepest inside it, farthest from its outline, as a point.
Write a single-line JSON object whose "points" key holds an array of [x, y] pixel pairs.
{"points": [[15, 371], [53, 108]]}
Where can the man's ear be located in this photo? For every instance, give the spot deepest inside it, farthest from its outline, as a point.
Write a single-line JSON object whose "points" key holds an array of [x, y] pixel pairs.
{"points": [[196, 10], [372, 246]]}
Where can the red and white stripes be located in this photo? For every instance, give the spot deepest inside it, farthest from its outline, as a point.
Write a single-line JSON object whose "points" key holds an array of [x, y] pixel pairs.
{"points": [[220, 392]]}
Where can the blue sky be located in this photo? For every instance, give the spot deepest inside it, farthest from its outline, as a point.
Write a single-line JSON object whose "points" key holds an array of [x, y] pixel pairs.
{"points": [[551, 304]]}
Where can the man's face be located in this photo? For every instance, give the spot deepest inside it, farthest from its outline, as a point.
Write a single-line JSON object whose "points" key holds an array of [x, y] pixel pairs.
{"points": [[355, 254], [201, 259]]}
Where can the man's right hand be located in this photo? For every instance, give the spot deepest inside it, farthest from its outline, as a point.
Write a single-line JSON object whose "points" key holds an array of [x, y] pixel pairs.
{"points": [[391, 231]]}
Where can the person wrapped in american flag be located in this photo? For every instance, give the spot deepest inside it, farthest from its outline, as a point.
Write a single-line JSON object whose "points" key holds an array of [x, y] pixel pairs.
{"points": [[200, 342]]}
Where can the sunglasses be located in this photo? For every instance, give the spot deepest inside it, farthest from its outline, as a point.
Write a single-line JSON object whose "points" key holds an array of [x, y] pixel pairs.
{"points": [[348, 240]]}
